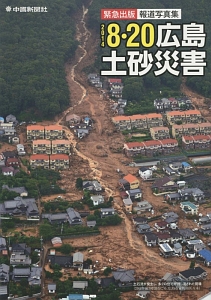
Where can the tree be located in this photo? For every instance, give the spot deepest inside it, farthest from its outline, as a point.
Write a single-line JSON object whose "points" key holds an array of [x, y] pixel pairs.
{"points": [[46, 231], [66, 249], [107, 271], [79, 183]]}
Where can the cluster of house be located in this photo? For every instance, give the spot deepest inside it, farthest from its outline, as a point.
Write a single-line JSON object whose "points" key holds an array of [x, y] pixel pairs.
{"points": [[118, 107], [9, 163], [53, 161], [191, 129], [20, 260], [7, 129], [20, 205], [95, 80], [50, 149], [196, 142], [138, 121], [130, 193], [151, 148], [115, 87], [48, 132], [81, 126], [170, 239], [50, 154], [168, 104]]}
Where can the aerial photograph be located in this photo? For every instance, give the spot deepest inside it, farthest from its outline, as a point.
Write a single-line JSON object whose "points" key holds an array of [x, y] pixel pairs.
{"points": [[105, 150]]}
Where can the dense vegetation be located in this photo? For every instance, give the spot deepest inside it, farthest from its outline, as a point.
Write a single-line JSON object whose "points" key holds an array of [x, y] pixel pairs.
{"points": [[34, 48], [38, 183], [141, 91]]}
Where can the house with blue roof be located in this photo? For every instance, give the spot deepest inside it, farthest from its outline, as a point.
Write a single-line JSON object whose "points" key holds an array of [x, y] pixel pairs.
{"points": [[75, 297], [189, 208], [186, 166], [206, 255]]}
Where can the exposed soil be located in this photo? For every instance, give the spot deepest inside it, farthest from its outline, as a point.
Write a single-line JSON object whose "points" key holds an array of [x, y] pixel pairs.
{"points": [[96, 157], [99, 156], [200, 102]]}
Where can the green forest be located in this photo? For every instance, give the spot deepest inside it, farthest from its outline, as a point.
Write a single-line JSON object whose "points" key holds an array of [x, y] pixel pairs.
{"points": [[34, 48], [141, 91]]}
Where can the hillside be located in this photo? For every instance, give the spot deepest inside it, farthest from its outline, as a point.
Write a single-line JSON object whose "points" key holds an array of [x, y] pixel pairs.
{"points": [[142, 90], [34, 48]]}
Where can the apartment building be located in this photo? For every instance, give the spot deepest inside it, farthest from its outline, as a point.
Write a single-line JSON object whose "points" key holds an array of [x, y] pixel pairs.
{"points": [[177, 131], [187, 142], [154, 120], [122, 122], [205, 128], [61, 146], [134, 148], [41, 147], [53, 132], [59, 161], [185, 129], [193, 116], [169, 146], [190, 129], [159, 133], [174, 117], [139, 121], [202, 141], [39, 160], [35, 132], [152, 148]]}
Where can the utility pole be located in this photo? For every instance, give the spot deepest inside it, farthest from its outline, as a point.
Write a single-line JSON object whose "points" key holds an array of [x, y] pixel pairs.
{"points": [[41, 242], [62, 228]]}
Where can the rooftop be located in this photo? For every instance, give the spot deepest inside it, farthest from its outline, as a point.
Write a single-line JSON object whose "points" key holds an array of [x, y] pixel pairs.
{"points": [[41, 142], [35, 127], [130, 178], [39, 157], [53, 127], [59, 157]]}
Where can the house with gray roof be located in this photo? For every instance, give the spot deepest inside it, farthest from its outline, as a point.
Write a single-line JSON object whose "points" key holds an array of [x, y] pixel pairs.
{"points": [[78, 259], [191, 194], [139, 220], [74, 217], [205, 229], [173, 197], [143, 228], [19, 259], [142, 206], [51, 288], [10, 119], [19, 190], [97, 199], [80, 285], [187, 234], [124, 277], [4, 273], [193, 274], [134, 194], [64, 261], [151, 239], [20, 206], [91, 224], [20, 273], [35, 276], [92, 186], [58, 218], [106, 212], [170, 214], [3, 245]]}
